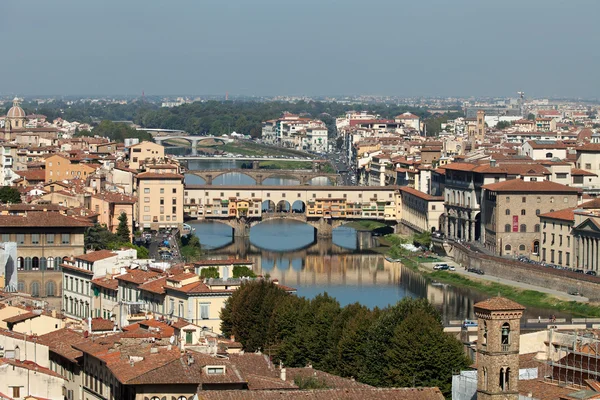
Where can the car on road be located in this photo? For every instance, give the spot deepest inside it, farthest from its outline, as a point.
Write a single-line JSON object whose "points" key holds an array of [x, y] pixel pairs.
{"points": [[592, 273], [441, 267], [452, 268], [468, 323]]}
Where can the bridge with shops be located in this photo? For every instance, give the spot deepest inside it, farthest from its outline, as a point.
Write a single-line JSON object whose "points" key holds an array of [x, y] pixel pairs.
{"points": [[338, 205]]}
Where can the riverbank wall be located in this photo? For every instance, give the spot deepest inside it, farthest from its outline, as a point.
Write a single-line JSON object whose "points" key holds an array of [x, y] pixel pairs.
{"points": [[564, 281]]}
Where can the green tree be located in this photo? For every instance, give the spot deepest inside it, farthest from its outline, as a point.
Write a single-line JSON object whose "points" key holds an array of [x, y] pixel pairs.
{"points": [[123, 232], [503, 124], [9, 195], [98, 237], [240, 271], [423, 239], [530, 116], [421, 354], [210, 272], [190, 248]]}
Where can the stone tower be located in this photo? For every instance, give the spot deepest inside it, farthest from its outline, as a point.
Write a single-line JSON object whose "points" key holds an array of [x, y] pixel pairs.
{"points": [[498, 330], [480, 125]]}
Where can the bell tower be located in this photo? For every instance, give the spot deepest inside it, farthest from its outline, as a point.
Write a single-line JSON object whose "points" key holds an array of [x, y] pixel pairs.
{"points": [[498, 331]]}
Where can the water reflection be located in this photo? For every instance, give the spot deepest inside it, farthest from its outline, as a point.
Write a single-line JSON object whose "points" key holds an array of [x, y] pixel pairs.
{"points": [[345, 266]]}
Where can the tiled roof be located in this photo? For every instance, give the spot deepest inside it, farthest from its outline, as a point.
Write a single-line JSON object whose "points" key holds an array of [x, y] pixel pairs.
{"points": [[116, 198], [154, 175], [20, 318], [107, 283], [332, 381], [421, 195], [96, 256], [61, 341], [30, 365], [70, 267], [543, 390], [590, 147], [42, 219], [101, 324], [326, 394], [592, 204], [566, 214], [137, 276], [181, 277], [33, 174], [577, 172], [518, 185], [155, 286], [498, 304]]}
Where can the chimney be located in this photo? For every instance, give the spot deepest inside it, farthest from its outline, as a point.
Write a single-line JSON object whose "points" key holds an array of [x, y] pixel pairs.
{"points": [[283, 374], [492, 163], [53, 313], [232, 338]]}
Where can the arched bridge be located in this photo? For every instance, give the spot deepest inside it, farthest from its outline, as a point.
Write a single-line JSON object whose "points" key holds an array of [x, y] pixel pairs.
{"points": [[259, 175], [194, 140]]}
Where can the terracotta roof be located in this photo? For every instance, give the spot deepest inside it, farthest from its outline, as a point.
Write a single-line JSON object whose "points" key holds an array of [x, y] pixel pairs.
{"points": [[70, 267], [61, 341], [519, 185], [96, 256], [543, 390], [326, 394], [155, 175], [107, 283], [20, 318], [592, 204], [332, 381], [137, 276], [498, 304], [42, 219], [33, 174], [591, 147], [565, 215], [577, 172], [155, 286], [30, 365], [101, 324], [116, 198], [421, 195], [181, 277]]}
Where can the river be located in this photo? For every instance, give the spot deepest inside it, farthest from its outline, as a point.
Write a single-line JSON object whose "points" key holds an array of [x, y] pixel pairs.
{"points": [[345, 267]]}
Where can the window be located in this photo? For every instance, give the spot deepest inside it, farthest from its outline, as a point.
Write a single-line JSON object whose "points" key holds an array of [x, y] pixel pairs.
{"points": [[552, 255], [539, 199], [536, 228], [146, 199], [6, 237], [508, 199], [35, 289], [537, 212], [523, 199], [204, 310], [16, 391], [66, 238], [35, 238], [507, 228], [174, 210], [523, 228], [523, 212], [146, 208], [565, 199], [552, 199], [522, 247], [215, 370], [508, 247], [174, 190], [567, 258], [536, 247], [162, 201], [20, 238], [507, 211], [146, 190], [162, 190]]}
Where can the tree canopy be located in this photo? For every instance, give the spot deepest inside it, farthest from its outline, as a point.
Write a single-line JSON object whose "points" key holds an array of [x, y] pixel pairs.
{"points": [[98, 237], [116, 132], [123, 233], [401, 345], [9, 195]]}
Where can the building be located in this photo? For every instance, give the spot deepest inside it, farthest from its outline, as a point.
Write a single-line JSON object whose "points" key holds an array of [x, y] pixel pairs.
{"points": [[22, 320], [81, 270], [498, 331], [555, 244], [409, 120], [588, 159], [160, 199], [510, 213], [60, 168], [28, 380], [109, 206], [586, 237], [145, 152], [296, 132], [43, 240], [544, 149], [421, 212]]}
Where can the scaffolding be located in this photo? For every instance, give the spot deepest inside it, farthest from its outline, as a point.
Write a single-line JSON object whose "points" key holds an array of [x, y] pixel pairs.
{"points": [[572, 358]]}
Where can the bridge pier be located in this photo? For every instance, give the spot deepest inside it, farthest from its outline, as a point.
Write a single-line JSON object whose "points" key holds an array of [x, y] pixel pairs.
{"points": [[158, 140], [195, 147], [255, 164], [241, 227]]}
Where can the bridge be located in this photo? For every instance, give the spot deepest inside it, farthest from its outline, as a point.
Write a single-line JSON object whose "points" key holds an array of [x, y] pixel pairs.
{"points": [[192, 139], [242, 158], [304, 176], [323, 207]]}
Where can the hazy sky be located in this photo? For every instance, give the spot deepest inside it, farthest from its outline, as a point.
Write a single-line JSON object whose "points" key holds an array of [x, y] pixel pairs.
{"points": [[294, 47]]}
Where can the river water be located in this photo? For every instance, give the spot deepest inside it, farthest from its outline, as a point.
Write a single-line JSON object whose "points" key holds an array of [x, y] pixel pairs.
{"points": [[345, 267]]}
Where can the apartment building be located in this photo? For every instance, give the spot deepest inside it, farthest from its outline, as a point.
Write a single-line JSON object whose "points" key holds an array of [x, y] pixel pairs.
{"points": [[160, 199], [296, 132], [588, 159], [60, 168], [145, 152], [109, 207], [510, 213], [555, 245], [79, 274]]}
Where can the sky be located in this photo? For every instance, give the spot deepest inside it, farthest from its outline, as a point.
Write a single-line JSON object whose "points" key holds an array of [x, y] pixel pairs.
{"points": [[547, 48]]}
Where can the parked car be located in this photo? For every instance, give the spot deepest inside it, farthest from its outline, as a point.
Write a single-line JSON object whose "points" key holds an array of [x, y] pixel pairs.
{"points": [[467, 323], [452, 268], [580, 271], [441, 267], [592, 273]]}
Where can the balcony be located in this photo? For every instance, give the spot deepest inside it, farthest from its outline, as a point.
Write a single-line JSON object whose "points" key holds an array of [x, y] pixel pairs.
{"points": [[505, 348]]}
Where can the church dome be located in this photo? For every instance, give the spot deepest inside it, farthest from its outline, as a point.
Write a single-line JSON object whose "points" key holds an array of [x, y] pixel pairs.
{"points": [[16, 111]]}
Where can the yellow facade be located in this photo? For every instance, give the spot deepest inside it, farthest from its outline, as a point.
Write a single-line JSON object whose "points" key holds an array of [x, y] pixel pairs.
{"points": [[59, 168]]}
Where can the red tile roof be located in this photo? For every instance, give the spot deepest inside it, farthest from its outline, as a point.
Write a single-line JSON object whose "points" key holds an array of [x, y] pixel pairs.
{"points": [[498, 304], [154, 175], [107, 283], [518, 185], [137, 276], [61, 341], [20, 318], [327, 394], [421, 195], [96, 256], [564, 215], [42, 219], [30, 365], [33, 175], [583, 172], [101, 324], [116, 198]]}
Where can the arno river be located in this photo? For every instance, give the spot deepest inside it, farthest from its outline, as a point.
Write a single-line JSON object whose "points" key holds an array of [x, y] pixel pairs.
{"points": [[344, 267]]}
